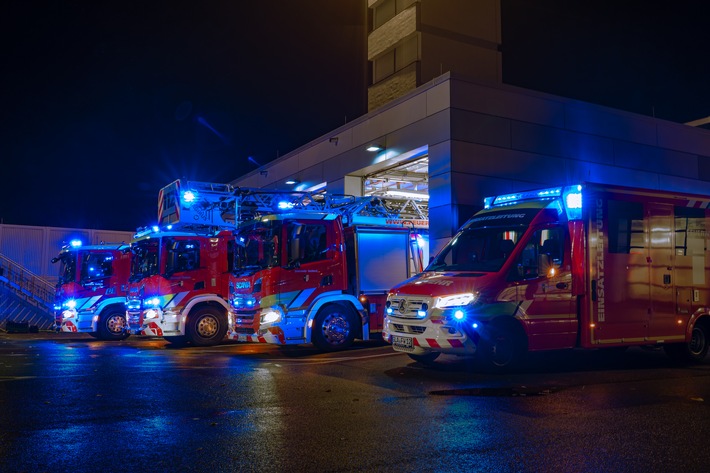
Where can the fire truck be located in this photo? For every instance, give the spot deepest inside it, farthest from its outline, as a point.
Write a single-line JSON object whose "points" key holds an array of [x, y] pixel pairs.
{"points": [[318, 270], [589, 266], [91, 290], [180, 268]]}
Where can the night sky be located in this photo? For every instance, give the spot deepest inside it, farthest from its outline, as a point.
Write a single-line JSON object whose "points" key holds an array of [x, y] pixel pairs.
{"points": [[106, 102]]}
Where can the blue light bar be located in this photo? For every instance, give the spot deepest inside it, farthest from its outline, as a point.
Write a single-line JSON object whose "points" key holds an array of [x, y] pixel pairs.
{"points": [[75, 243]]}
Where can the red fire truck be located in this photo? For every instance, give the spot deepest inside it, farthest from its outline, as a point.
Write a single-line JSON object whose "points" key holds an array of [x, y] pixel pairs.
{"points": [[180, 268], [319, 270], [91, 290], [588, 266]]}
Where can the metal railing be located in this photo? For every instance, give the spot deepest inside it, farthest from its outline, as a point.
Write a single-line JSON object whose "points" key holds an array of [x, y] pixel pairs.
{"points": [[26, 285]]}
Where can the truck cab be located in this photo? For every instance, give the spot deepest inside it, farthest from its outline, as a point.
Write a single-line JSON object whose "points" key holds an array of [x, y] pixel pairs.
{"points": [[178, 285], [306, 277], [91, 290]]}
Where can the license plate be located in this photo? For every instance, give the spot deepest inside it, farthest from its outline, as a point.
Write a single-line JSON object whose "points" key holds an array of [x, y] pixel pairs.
{"points": [[402, 342]]}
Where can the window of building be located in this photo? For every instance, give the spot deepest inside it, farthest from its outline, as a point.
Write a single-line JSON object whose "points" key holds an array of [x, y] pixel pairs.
{"points": [[387, 10], [396, 59]]}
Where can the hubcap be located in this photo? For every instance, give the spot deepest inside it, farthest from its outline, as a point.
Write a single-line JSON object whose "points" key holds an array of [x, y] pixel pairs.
{"points": [[116, 324], [207, 327], [336, 329]]}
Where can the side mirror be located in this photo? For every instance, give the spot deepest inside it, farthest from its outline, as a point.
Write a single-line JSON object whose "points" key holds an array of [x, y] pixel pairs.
{"points": [[293, 265]]}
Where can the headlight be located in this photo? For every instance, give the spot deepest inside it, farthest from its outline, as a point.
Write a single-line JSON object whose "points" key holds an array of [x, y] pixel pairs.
{"points": [[456, 300], [152, 302], [271, 316], [241, 301]]}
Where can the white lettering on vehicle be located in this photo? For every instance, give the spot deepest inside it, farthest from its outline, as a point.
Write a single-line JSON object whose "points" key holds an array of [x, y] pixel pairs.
{"points": [[600, 259], [497, 217]]}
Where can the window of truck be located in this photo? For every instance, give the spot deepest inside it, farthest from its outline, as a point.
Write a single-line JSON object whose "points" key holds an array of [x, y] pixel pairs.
{"points": [[183, 255], [257, 246], [477, 249], [96, 266], [145, 260], [307, 242], [542, 252], [67, 268]]}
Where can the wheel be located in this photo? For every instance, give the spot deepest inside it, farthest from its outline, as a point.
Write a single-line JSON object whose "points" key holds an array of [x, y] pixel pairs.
{"points": [[501, 347], [426, 358], [334, 328], [112, 325], [206, 327], [694, 351]]}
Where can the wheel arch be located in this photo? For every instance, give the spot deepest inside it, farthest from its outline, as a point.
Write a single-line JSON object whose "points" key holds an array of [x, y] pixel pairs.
{"points": [[346, 301], [200, 302], [512, 324]]}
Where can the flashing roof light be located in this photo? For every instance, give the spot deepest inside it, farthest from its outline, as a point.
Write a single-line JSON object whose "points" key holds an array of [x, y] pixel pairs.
{"points": [[571, 196], [573, 202], [75, 243], [283, 205], [156, 228], [189, 197]]}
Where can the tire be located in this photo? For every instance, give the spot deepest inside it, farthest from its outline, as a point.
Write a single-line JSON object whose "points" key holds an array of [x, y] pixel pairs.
{"points": [[112, 325], [206, 327], [501, 347], [694, 351], [334, 328], [425, 359]]}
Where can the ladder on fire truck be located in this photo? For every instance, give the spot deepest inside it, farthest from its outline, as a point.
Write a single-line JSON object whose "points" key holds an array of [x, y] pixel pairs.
{"points": [[221, 206], [253, 203]]}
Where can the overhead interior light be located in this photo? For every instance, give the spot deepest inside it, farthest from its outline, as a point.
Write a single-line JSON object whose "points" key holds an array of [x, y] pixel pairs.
{"points": [[292, 182], [410, 194], [373, 148]]}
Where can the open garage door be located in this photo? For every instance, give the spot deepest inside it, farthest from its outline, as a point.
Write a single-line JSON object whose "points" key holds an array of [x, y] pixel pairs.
{"points": [[408, 181], [404, 179]]}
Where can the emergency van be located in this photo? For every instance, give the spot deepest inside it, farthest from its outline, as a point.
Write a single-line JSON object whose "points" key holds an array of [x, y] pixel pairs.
{"points": [[589, 266]]}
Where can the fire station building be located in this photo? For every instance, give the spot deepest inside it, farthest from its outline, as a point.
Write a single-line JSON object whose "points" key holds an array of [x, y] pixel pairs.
{"points": [[450, 139]]}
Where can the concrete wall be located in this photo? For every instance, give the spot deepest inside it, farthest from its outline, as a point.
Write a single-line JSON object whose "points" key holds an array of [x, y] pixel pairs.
{"points": [[488, 139], [33, 247]]}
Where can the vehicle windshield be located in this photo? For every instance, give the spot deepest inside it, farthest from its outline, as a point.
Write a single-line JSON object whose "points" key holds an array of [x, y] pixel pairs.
{"points": [[67, 267], [145, 260], [477, 249], [257, 247]]}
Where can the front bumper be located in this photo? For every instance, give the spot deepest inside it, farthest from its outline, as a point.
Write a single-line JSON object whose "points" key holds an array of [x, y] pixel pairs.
{"points": [[166, 324], [419, 337]]}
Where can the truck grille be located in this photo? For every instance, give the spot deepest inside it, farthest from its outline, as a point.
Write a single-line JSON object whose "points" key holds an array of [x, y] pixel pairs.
{"points": [[413, 329], [244, 321], [406, 307]]}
